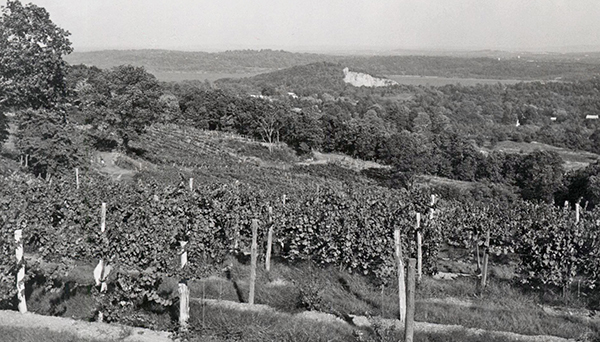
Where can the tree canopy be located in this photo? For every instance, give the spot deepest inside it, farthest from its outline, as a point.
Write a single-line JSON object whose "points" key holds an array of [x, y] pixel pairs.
{"points": [[122, 100], [32, 71]]}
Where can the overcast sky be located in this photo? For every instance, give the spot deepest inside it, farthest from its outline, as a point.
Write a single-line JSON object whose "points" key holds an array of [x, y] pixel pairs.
{"points": [[209, 25]]}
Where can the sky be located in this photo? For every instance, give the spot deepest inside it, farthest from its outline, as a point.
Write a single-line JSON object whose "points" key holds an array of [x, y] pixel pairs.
{"points": [[328, 25]]}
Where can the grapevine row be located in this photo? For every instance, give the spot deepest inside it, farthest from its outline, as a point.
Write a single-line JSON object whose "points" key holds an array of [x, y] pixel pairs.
{"points": [[351, 228]]}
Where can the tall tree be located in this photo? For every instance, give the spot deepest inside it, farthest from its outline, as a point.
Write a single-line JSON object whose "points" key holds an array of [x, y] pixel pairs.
{"points": [[123, 100], [540, 175], [32, 71], [52, 145]]}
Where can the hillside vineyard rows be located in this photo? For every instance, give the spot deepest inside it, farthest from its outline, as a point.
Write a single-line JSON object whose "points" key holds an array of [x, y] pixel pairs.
{"points": [[351, 228]]}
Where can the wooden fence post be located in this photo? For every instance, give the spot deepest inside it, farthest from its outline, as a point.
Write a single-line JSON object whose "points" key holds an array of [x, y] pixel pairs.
{"points": [[478, 253], [103, 286], [184, 292], [21, 271], [485, 260], [577, 209], [431, 210], [253, 251], [21, 162], [401, 284], [99, 271], [419, 249], [192, 184], [269, 241], [77, 177], [409, 327], [26, 160]]}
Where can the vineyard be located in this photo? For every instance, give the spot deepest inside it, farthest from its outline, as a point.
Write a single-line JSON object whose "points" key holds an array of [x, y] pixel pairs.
{"points": [[197, 193], [292, 206], [346, 225]]}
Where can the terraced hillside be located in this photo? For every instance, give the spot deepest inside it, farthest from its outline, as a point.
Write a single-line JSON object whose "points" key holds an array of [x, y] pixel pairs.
{"points": [[218, 157], [172, 144]]}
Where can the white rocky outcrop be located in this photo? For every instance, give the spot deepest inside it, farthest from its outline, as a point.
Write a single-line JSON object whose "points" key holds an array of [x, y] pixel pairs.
{"points": [[359, 79]]}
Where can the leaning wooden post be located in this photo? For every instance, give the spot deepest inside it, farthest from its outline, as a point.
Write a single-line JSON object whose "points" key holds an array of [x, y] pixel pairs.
{"points": [[184, 291], [477, 252], [577, 209], [269, 241], [409, 326], [77, 177], [401, 285], [485, 260], [21, 271], [253, 251], [419, 249]]}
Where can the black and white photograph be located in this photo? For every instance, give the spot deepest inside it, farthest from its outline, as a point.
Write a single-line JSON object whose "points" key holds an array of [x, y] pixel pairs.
{"points": [[298, 171]]}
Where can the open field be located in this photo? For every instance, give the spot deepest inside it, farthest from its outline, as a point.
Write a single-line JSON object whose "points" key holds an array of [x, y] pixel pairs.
{"points": [[573, 159], [442, 81]]}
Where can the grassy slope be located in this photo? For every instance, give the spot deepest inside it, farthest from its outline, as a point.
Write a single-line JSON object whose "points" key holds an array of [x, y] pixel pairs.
{"points": [[292, 289]]}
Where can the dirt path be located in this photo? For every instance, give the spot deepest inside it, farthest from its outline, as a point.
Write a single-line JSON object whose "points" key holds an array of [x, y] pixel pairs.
{"points": [[106, 162], [343, 160], [87, 330], [446, 329], [9, 144]]}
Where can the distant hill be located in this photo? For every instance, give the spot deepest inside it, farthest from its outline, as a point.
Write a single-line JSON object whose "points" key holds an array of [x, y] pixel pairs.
{"points": [[526, 67], [314, 78], [240, 61], [310, 78]]}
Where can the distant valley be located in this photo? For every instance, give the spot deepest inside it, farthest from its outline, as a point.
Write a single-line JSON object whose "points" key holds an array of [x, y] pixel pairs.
{"points": [[179, 65]]}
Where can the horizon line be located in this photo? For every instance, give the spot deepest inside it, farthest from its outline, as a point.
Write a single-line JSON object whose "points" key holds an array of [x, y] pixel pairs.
{"points": [[581, 49]]}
